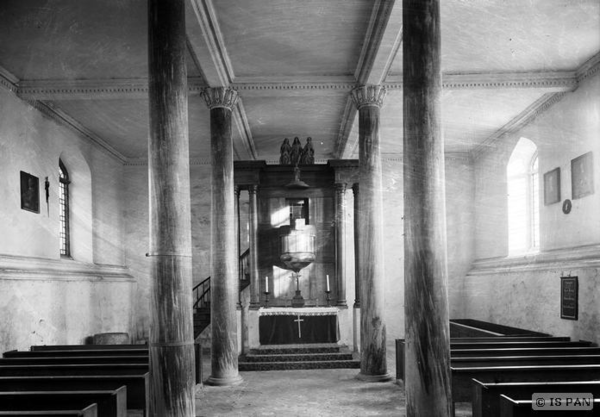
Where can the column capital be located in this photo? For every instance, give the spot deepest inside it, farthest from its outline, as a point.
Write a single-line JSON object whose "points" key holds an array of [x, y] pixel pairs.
{"points": [[340, 187], [368, 95], [225, 97], [355, 188], [253, 188]]}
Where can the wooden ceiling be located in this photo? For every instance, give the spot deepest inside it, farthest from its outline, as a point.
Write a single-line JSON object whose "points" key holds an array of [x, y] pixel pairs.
{"points": [[294, 63]]}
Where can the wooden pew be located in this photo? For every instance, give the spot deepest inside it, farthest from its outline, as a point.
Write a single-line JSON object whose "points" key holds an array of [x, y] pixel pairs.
{"points": [[34, 360], [466, 353], [111, 403], [505, 339], [486, 395], [510, 407], [138, 388], [400, 348], [77, 369], [497, 328], [89, 411], [525, 360], [91, 347], [75, 352], [462, 384]]}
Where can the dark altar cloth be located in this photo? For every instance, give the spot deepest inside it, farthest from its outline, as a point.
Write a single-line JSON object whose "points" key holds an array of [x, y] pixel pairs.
{"points": [[282, 329]]}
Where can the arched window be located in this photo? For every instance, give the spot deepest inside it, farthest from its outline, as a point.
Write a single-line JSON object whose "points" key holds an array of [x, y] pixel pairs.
{"points": [[63, 199], [523, 199]]}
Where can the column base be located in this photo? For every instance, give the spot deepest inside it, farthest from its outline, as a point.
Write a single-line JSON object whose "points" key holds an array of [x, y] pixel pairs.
{"points": [[225, 381], [374, 378]]}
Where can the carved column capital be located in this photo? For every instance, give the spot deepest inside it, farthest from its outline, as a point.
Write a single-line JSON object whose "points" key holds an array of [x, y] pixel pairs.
{"points": [[355, 188], [225, 97], [368, 95], [252, 189], [340, 187]]}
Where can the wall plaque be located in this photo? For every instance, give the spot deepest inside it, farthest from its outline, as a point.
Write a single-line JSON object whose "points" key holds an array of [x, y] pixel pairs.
{"points": [[30, 192], [552, 187], [569, 298]]}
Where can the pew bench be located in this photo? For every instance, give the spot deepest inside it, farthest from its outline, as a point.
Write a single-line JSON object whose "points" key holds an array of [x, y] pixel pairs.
{"points": [[89, 411], [510, 407], [525, 360], [48, 360], [462, 384], [111, 403], [486, 395], [77, 369], [465, 353], [90, 347], [138, 388], [75, 352]]}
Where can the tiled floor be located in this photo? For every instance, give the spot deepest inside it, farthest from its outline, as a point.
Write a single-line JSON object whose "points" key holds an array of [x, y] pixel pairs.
{"points": [[310, 393]]}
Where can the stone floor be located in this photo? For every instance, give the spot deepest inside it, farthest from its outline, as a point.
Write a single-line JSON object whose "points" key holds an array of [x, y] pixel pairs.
{"points": [[311, 393]]}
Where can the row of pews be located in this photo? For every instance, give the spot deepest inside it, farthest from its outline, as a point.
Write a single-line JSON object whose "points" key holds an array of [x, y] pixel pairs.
{"points": [[498, 373], [77, 380]]}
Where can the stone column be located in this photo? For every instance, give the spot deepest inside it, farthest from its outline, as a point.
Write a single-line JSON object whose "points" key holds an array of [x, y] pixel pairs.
{"points": [[224, 275], [356, 248], [171, 342], [340, 243], [356, 310], [253, 261], [373, 366], [427, 355]]}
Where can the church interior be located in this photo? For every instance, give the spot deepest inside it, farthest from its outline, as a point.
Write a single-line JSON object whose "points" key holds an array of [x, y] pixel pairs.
{"points": [[211, 179]]}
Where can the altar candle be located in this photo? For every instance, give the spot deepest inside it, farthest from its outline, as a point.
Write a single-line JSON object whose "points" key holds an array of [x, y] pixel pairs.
{"points": [[267, 284], [327, 282]]}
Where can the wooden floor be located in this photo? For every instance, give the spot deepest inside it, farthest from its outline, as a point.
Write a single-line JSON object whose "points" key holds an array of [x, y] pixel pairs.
{"points": [[310, 393]]}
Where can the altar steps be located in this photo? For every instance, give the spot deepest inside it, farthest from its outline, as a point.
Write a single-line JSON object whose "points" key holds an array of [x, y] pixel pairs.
{"points": [[287, 357]]}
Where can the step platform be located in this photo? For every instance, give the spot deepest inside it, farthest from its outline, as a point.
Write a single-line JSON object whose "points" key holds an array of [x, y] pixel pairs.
{"points": [[301, 356]]}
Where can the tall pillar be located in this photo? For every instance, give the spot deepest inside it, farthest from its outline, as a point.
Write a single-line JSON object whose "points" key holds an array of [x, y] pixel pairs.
{"points": [[224, 275], [355, 192], [253, 261], [373, 365], [356, 310], [340, 243], [171, 343], [236, 192], [427, 333]]}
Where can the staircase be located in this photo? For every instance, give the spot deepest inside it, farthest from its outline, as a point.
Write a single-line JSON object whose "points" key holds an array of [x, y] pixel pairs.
{"points": [[287, 357], [202, 295]]}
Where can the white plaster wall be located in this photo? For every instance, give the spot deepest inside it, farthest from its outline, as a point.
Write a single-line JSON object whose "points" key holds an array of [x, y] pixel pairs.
{"points": [[48, 309], [529, 297]]}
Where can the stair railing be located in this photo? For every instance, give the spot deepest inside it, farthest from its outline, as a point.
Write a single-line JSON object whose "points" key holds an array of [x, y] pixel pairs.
{"points": [[202, 289]]}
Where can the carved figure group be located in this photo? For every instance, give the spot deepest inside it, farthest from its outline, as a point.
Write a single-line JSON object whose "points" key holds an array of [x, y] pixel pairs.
{"points": [[295, 154]]}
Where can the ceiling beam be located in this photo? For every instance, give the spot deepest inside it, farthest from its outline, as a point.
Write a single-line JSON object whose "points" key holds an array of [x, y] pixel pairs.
{"points": [[206, 45], [382, 42]]}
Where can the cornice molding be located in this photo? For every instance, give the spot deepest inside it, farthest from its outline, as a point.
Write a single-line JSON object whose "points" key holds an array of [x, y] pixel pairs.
{"points": [[7, 80], [220, 97], [368, 95], [524, 118], [589, 68], [550, 81], [65, 120]]}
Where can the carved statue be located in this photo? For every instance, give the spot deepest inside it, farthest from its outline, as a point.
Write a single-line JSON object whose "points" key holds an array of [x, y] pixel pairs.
{"points": [[285, 150], [296, 151], [308, 153]]}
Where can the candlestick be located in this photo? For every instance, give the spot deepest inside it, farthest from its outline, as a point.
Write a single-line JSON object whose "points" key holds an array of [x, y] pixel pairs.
{"points": [[328, 283], [266, 284]]}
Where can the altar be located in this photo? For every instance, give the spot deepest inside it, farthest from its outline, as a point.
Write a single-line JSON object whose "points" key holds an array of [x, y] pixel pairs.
{"points": [[282, 325]]}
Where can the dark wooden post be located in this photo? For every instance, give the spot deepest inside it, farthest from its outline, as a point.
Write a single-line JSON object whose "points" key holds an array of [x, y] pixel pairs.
{"points": [[171, 344], [340, 243], [373, 364], [253, 260], [428, 377], [224, 275], [236, 191]]}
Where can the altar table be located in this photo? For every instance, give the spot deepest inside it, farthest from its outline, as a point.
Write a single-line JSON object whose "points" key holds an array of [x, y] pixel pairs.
{"points": [[279, 325]]}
